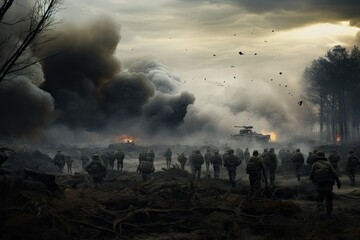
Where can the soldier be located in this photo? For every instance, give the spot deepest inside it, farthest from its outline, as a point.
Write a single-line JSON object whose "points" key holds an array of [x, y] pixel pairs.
{"points": [[256, 170], [142, 156], [272, 165], [311, 159], [59, 160], [246, 155], [69, 162], [197, 161], [146, 168], [97, 170], [298, 160], [334, 159], [111, 160], [207, 162], [182, 160], [151, 155], [84, 160], [323, 175], [119, 156], [216, 161], [231, 162], [167, 155], [351, 165]]}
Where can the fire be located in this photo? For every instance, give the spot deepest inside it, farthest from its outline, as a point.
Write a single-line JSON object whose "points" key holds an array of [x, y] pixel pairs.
{"points": [[338, 138], [125, 139], [273, 135]]}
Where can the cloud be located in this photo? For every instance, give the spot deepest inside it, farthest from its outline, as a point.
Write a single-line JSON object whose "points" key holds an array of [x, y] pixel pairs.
{"points": [[298, 13]]}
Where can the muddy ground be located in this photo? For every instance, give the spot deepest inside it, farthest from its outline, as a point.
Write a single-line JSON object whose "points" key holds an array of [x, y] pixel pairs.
{"points": [[172, 205]]}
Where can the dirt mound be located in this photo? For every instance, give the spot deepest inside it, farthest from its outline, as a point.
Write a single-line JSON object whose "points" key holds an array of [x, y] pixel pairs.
{"points": [[33, 160]]}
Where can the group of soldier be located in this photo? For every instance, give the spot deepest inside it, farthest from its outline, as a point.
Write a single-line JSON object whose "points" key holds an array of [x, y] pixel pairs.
{"points": [[261, 167], [96, 167]]}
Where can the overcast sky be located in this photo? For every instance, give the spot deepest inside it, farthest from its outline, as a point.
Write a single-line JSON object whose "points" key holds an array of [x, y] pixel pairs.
{"points": [[200, 42]]}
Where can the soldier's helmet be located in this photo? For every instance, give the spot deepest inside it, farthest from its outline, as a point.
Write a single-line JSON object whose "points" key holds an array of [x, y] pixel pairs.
{"points": [[231, 151], [255, 153], [272, 149], [266, 150], [216, 151], [246, 149], [298, 150]]}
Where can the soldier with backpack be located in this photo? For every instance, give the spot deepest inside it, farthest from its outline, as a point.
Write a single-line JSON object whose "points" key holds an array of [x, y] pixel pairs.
{"points": [[256, 170], [167, 155], [323, 175], [69, 163], [119, 157], [146, 168], [59, 160], [182, 160], [197, 161], [216, 161], [231, 162], [97, 170], [298, 160]]}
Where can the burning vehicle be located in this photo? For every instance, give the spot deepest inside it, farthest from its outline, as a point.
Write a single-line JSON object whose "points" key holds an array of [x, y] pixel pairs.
{"points": [[246, 134]]}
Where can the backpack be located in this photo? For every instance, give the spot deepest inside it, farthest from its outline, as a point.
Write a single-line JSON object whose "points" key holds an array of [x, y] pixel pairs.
{"points": [[146, 167], [321, 175], [251, 168]]}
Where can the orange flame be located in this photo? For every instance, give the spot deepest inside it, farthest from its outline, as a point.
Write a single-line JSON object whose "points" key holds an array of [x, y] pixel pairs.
{"points": [[338, 138], [124, 139], [273, 135]]}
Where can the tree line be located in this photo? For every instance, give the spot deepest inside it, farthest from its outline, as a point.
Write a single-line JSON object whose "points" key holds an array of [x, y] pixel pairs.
{"points": [[333, 87]]}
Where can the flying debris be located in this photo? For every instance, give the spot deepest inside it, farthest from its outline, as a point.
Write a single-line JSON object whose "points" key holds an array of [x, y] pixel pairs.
{"points": [[272, 30], [255, 54], [271, 79], [266, 41], [132, 49], [234, 77], [285, 85], [232, 66], [241, 53], [234, 34], [280, 85], [300, 103], [280, 73], [205, 79]]}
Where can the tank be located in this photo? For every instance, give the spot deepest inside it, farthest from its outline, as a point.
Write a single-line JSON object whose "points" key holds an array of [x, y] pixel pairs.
{"points": [[247, 134]]}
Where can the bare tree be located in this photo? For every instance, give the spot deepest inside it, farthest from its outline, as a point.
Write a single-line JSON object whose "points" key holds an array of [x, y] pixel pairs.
{"points": [[40, 17]]}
